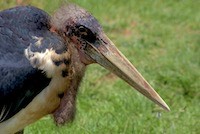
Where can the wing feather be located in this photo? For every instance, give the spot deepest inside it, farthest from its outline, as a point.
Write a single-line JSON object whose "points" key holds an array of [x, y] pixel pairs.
{"points": [[19, 81]]}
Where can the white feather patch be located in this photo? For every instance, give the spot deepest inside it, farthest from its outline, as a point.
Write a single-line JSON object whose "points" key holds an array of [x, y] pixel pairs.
{"points": [[43, 61]]}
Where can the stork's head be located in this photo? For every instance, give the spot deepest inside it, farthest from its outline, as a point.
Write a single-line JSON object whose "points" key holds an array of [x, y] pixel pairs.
{"points": [[93, 46]]}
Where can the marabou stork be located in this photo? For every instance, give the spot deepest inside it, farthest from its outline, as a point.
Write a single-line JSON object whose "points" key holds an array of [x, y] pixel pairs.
{"points": [[43, 59]]}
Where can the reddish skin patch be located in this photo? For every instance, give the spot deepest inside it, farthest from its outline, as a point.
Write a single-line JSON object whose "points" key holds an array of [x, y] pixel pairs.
{"points": [[53, 29]]}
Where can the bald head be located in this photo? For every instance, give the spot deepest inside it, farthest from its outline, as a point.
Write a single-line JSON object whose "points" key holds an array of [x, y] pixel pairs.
{"points": [[73, 16]]}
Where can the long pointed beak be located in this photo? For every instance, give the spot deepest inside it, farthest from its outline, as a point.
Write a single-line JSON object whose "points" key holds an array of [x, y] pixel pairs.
{"points": [[107, 55]]}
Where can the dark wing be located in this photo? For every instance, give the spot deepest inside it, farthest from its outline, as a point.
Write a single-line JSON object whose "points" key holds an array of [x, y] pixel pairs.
{"points": [[19, 81]]}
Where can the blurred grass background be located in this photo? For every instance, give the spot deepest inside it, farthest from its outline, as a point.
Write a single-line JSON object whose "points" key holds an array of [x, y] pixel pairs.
{"points": [[162, 39]]}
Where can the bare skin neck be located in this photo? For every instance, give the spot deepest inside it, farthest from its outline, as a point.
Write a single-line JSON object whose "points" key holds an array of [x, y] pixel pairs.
{"points": [[66, 111]]}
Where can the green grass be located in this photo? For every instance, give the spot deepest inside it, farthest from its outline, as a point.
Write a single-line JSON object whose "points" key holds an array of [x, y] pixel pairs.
{"points": [[162, 39]]}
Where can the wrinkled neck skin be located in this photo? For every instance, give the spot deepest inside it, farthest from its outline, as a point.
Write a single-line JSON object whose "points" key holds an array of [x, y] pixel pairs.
{"points": [[66, 111]]}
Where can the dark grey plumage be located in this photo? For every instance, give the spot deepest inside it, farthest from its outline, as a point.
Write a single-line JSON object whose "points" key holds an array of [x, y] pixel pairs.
{"points": [[19, 81]]}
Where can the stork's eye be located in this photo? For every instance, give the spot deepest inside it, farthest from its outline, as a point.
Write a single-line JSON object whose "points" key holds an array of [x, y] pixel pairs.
{"points": [[87, 34], [81, 29]]}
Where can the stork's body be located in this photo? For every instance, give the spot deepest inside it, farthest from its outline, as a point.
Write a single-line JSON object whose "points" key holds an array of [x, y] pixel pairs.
{"points": [[43, 59], [24, 76]]}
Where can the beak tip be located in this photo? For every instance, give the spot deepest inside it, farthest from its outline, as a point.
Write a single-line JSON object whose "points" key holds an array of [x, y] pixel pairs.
{"points": [[159, 101], [166, 108], [163, 105]]}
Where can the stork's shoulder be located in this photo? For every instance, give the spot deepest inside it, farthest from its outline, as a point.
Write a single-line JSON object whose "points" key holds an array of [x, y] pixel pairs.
{"points": [[19, 25], [26, 16]]}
